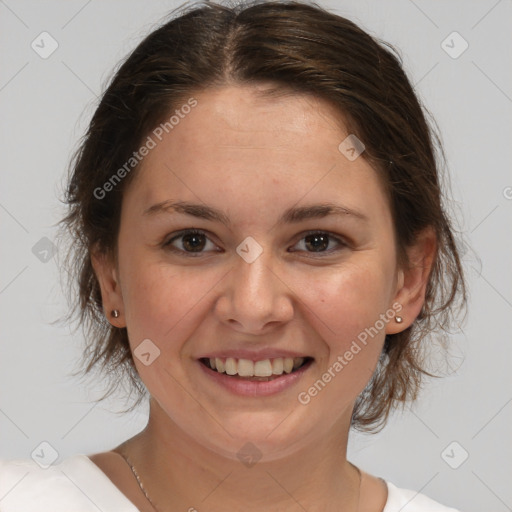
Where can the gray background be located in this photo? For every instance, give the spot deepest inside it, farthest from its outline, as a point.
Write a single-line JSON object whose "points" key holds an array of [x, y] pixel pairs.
{"points": [[45, 105]]}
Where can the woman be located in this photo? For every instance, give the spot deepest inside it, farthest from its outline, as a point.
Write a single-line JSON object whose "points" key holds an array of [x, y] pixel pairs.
{"points": [[261, 247]]}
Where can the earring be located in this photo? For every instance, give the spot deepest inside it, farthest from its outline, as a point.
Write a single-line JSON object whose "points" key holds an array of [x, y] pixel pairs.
{"points": [[115, 313], [398, 319]]}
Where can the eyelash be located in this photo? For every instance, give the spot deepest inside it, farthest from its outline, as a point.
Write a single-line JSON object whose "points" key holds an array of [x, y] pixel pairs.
{"points": [[185, 232], [181, 234]]}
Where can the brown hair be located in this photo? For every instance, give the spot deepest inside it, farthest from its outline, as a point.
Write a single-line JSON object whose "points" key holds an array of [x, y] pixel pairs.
{"points": [[300, 48]]}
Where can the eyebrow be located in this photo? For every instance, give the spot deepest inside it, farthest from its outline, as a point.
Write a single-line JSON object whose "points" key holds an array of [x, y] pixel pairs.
{"points": [[298, 214], [290, 216], [200, 211]]}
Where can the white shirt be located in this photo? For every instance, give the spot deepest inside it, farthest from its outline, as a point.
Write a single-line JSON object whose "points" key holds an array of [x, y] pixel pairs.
{"points": [[77, 485]]}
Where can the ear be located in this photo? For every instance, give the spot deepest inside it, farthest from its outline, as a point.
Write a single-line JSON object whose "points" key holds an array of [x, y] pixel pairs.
{"points": [[107, 275], [412, 280]]}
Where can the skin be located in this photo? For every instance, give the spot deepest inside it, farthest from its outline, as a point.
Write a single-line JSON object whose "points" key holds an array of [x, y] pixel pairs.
{"points": [[253, 158]]}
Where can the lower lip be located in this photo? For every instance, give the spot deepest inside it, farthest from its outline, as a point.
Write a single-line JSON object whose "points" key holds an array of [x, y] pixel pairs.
{"points": [[244, 387]]}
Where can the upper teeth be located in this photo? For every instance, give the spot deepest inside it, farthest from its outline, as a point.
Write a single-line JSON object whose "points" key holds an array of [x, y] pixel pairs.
{"points": [[248, 368]]}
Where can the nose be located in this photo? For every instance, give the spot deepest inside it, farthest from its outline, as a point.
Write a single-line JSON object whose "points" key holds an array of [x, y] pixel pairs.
{"points": [[255, 298]]}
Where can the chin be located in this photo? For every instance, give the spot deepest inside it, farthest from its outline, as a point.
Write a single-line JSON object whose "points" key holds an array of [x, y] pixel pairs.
{"points": [[265, 436]]}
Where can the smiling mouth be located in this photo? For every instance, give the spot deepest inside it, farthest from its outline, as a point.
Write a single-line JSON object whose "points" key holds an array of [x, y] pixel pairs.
{"points": [[264, 370]]}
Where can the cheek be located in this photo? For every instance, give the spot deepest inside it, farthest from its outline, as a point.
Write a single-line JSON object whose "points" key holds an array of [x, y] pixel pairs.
{"points": [[165, 303], [346, 313], [348, 298], [344, 308]]}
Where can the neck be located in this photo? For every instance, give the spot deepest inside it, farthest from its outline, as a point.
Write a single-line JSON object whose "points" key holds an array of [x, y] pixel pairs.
{"points": [[180, 474]]}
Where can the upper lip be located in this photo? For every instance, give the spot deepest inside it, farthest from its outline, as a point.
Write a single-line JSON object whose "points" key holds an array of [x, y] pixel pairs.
{"points": [[254, 355]]}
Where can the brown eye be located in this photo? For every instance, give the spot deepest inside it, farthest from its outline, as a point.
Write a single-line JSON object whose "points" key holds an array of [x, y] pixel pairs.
{"points": [[194, 242], [318, 242], [190, 242]]}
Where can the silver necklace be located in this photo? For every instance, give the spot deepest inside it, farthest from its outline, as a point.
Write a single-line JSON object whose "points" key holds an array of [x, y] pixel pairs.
{"points": [[139, 481]]}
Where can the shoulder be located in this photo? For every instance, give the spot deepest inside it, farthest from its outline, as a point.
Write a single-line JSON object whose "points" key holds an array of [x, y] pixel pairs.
{"points": [[406, 500], [73, 484]]}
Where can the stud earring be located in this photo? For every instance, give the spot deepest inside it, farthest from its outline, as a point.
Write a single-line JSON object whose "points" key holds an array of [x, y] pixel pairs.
{"points": [[398, 319], [115, 313]]}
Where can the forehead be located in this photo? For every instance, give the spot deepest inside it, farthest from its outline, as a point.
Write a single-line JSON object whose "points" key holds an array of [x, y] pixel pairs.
{"points": [[237, 143]]}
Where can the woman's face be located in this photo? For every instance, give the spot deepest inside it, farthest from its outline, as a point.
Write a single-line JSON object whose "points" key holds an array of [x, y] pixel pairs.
{"points": [[267, 277]]}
